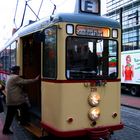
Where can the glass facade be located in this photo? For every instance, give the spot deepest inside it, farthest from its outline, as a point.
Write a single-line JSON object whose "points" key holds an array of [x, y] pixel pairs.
{"points": [[127, 12]]}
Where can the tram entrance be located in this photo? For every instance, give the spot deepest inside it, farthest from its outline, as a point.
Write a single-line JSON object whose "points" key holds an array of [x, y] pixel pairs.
{"points": [[32, 68]]}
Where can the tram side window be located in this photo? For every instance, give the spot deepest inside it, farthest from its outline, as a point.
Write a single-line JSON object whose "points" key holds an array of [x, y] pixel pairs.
{"points": [[3, 66], [113, 59], [8, 57], [6, 60], [108, 58], [49, 53], [2, 58], [13, 54]]}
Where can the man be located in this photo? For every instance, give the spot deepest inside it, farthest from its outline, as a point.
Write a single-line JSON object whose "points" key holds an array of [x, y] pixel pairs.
{"points": [[15, 98]]}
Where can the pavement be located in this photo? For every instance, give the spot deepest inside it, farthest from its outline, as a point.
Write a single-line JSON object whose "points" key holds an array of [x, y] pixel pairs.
{"points": [[2, 137], [130, 101], [21, 134]]}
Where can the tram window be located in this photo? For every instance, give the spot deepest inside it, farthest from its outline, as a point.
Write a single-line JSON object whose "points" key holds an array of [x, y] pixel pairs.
{"points": [[2, 60], [13, 54], [91, 58], [112, 58], [49, 53], [7, 55]]}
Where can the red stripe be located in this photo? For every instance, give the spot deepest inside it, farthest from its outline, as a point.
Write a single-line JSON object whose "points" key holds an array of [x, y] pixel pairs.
{"points": [[81, 132], [79, 81], [4, 72]]}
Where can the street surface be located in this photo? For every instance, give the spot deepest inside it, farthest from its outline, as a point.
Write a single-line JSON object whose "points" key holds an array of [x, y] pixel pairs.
{"points": [[131, 130]]}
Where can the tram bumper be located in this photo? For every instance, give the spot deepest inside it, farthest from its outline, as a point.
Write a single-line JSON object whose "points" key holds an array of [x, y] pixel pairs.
{"points": [[92, 133]]}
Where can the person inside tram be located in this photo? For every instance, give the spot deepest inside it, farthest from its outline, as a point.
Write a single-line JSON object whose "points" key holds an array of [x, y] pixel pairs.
{"points": [[78, 56], [91, 62], [15, 97]]}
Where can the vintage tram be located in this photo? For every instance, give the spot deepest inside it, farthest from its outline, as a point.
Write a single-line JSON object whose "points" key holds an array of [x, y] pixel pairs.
{"points": [[78, 58]]}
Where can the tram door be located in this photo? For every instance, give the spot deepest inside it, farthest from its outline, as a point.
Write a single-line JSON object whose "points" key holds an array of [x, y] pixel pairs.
{"points": [[32, 68]]}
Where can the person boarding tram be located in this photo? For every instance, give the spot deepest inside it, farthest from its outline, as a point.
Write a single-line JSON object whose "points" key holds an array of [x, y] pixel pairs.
{"points": [[15, 98]]}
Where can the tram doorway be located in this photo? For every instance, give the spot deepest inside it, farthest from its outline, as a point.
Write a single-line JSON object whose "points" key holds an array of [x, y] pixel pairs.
{"points": [[32, 68]]}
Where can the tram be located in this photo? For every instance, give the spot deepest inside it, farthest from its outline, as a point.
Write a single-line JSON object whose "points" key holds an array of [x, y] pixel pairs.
{"points": [[78, 58]]}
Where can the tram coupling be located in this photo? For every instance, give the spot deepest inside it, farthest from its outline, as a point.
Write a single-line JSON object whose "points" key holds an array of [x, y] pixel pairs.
{"points": [[99, 135]]}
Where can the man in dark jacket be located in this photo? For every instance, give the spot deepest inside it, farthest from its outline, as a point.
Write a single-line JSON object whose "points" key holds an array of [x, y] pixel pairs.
{"points": [[15, 98]]}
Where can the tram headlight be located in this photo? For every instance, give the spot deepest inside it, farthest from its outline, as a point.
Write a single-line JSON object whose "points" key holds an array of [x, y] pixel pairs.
{"points": [[94, 98], [94, 113]]}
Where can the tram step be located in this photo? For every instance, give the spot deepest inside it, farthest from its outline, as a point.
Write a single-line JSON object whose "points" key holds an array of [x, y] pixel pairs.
{"points": [[34, 130]]}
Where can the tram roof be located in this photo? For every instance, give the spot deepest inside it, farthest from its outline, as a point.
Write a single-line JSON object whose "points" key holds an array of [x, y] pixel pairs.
{"points": [[89, 19]]}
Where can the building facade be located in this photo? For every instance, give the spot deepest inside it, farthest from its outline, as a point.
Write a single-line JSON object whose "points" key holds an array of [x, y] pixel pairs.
{"points": [[127, 12]]}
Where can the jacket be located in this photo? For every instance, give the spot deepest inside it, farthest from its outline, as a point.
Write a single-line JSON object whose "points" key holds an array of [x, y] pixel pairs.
{"points": [[14, 89]]}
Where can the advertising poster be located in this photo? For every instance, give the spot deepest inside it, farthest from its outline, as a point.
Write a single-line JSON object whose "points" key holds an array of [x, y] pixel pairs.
{"points": [[130, 67]]}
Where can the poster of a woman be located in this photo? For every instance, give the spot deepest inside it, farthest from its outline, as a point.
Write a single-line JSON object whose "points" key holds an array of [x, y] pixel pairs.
{"points": [[128, 69]]}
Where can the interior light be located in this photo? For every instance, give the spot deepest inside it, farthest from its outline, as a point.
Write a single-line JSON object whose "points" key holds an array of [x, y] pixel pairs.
{"points": [[70, 29]]}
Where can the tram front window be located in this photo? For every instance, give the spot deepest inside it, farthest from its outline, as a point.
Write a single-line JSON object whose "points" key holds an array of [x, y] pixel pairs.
{"points": [[91, 58]]}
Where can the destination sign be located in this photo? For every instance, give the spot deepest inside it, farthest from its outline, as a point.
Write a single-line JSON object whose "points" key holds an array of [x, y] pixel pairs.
{"points": [[90, 6], [92, 31]]}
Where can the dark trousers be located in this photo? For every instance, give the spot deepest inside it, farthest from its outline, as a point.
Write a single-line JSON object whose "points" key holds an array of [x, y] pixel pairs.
{"points": [[11, 112], [1, 105]]}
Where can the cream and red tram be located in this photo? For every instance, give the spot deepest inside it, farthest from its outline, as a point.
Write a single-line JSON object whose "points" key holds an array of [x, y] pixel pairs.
{"points": [[78, 58]]}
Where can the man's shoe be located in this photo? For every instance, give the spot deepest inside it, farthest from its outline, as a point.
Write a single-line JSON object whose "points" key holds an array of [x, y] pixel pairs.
{"points": [[7, 132]]}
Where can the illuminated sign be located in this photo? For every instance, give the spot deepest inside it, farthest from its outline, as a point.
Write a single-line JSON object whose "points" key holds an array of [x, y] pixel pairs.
{"points": [[90, 6], [92, 31]]}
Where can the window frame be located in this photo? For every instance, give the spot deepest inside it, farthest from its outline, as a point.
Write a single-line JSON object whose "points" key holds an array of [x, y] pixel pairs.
{"points": [[43, 62], [96, 77]]}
